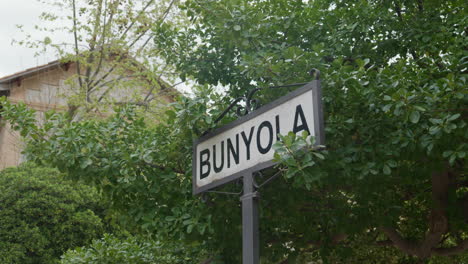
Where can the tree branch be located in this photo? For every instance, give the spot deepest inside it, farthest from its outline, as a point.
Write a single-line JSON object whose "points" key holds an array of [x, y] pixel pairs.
{"points": [[92, 47], [461, 247], [398, 11], [75, 36], [335, 239], [160, 22], [155, 166], [135, 20], [399, 242], [94, 84], [420, 6], [438, 222], [153, 87], [385, 243], [104, 33]]}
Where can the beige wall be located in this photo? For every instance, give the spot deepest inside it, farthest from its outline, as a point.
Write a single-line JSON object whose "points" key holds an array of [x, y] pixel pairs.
{"points": [[41, 92], [10, 148], [44, 91]]}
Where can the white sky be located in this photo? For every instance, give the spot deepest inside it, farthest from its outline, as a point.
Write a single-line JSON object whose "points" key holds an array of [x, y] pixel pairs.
{"points": [[20, 12]]}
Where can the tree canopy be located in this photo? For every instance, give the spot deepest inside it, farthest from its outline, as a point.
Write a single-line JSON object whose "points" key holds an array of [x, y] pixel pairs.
{"points": [[110, 46], [110, 249], [391, 185], [42, 215], [394, 84]]}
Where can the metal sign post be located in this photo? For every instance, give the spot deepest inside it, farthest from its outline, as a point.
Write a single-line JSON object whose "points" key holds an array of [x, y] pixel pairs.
{"points": [[245, 146], [250, 234]]}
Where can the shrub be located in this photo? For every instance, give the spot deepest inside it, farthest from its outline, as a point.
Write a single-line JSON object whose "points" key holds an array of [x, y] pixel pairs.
{"points": [[42, 215], [111, 250]]}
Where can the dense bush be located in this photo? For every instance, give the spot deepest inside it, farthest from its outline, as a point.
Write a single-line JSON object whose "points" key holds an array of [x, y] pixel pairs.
{"points": [[111, 250], [42, 215]]}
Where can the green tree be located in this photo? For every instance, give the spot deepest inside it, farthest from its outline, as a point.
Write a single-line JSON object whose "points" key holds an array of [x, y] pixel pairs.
{"points": [[42, 215], [390, 186], [143, 169], [110, 46], [112, 250], [394, 81], [395, 99]]}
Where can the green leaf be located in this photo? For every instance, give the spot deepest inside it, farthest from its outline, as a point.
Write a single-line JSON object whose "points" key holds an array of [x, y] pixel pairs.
{"points": [[47, 41], [366, 61], [276, 157], [291, 172], [387, 170], [453, 117], [452, 159], [436, 121], [447, 153], [237, 28], [392, 163], [434, 130], [387, 107], [86, 163], [419, 108], [414, 117], [318, 155]]}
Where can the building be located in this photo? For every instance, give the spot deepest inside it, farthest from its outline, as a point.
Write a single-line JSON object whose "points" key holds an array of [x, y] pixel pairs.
{"points": [[46, 88]]}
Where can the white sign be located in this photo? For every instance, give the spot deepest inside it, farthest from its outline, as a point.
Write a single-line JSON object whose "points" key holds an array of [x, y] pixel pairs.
{"points": [[246, 144]]}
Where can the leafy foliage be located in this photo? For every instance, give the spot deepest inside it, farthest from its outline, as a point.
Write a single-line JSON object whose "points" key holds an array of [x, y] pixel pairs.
{"points": [[112, 250], [107, 55], [394, 82], [42, 215], [391, 185], [142, 169]]}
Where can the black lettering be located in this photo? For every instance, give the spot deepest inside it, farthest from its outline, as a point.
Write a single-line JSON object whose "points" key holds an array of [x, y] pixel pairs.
{"points": [[205, 162], [230, 150], [216, 168], [270, 137], [247, 141], [277, 127], [303, 126]]}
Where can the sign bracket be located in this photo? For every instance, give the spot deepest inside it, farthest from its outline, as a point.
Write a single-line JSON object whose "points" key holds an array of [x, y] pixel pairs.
{"points": [[252, 104]]}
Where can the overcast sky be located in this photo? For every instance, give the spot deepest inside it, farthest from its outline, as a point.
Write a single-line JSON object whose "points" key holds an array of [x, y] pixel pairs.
{"points": [[14, 58]]}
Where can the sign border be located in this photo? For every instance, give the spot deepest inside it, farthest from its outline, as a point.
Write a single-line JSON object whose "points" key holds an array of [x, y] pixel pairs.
{"points": [[318, 129]]}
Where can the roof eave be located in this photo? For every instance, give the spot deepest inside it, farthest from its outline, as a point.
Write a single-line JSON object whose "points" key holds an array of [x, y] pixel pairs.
{"points": [[26, 73]]}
